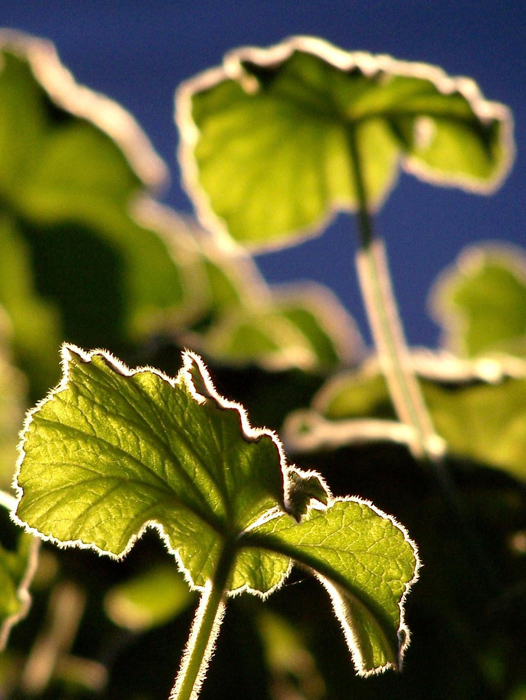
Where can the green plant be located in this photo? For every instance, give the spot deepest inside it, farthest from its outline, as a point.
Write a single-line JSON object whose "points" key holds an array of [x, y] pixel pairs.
{"points": [[272, 143]]}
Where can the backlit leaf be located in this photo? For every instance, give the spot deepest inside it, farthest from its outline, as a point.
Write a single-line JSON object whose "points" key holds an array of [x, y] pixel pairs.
{"points": [[74, 261], [112, 451], [149, 599], [267, 139], [13, 388], [478, 407], [481, 301], [243, 321], [367, 563]]}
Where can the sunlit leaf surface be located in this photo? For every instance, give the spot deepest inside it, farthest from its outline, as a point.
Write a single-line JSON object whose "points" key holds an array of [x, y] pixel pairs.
{"points": [[481, 301], [87, 255], [367, 564], [114, 450], [267, 139]]}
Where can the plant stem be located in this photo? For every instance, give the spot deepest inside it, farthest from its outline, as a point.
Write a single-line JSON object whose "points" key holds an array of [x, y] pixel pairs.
{"points": [[205, 628], [393, 353], [397, 367], [7, 500]]}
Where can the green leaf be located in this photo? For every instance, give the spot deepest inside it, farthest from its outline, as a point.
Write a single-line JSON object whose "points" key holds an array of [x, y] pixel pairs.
{"points": [[303, 488], [148, 600], [13, 388], [280, 337], [267, 139], [34, 320], [287, 656], [367, 563], [73, 167], [478, 408], [17, 566], [112, 451], [480, 302], [244, 321]]}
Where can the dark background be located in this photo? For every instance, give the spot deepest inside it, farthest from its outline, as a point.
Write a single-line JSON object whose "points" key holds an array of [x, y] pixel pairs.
{"points": [[138, 52]]}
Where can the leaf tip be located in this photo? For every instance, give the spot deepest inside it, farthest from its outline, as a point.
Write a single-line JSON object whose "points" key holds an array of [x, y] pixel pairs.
{"points": [[304, 490], [349, 610]]}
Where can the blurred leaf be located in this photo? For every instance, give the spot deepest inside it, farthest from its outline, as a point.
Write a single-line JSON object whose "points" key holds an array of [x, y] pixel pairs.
{"points": [[263, 337], [519, 693], [244, 321], [266, 139], [17, 567], [478, 407], [367, 563], [480, 302], [74, 261], [149, 599], [279, 338], [12, 405], [288, 658], [86, 255], [138, 449]]}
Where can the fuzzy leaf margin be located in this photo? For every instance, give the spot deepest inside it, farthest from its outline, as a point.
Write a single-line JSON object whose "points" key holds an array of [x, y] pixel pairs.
{"points": [[112, 451], [367, 563]]}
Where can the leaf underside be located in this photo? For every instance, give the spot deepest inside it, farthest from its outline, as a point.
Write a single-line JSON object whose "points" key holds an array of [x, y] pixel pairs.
{"points": [[367, 564], [112, 451], [266, 139]]}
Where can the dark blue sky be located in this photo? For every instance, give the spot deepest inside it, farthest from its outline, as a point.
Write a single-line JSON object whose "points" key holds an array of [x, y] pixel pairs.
{"points": [[137, 52]]}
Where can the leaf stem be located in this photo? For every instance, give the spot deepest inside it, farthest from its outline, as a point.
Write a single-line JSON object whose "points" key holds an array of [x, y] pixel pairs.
{"points": [[397, 367], [7, 500], [393, 353], [205, 628]]}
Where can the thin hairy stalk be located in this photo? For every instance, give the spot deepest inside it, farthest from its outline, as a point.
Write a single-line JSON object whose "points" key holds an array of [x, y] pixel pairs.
{"points": [[386, 327], [203, 635]]}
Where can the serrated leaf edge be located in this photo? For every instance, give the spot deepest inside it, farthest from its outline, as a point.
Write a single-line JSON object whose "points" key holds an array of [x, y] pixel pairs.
{"points": [[190, 360], [403, 632]]}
